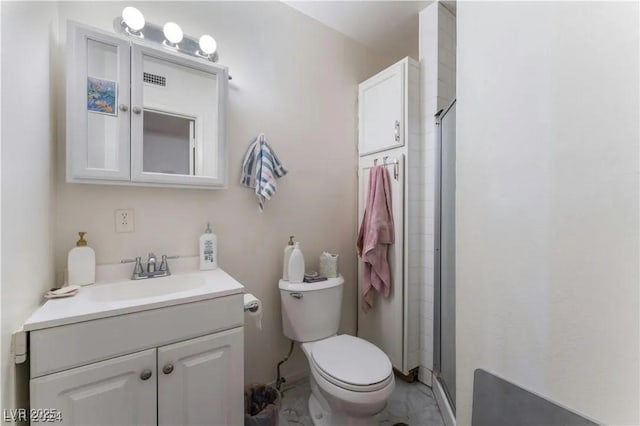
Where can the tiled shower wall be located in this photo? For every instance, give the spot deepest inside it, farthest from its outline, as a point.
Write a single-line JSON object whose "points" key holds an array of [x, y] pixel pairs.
{"points": [[437, 73]]}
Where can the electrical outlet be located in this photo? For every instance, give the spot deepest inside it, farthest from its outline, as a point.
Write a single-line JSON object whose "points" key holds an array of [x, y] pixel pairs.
{"points": [[124, 220]]}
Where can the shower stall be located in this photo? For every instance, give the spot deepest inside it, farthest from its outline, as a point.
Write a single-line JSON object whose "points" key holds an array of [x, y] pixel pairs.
{"points": [[444, 261]]}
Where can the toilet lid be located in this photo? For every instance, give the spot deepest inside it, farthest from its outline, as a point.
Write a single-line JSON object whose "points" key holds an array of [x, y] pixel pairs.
{"points": [[352, 360]]}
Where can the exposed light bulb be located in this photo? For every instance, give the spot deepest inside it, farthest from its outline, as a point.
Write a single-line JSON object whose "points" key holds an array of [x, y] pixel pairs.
{"points": [[133, 18], [172, 32], [208, 44]]}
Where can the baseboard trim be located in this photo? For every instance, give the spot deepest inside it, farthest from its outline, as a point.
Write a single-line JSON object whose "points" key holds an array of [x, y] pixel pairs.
{"points": [[292, 379], [447, 414], [425, 376]]}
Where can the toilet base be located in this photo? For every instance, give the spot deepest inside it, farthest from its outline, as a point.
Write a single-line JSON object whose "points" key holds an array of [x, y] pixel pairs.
{"points": [[319, 417], [322, 417]]}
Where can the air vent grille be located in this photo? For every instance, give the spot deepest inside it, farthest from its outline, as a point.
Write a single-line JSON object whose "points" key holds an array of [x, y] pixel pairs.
{"points": [[155, 79]]}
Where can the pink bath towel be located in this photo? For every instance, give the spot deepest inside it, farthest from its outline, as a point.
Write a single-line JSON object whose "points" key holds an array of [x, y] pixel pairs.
{"points": [[375, 237]]}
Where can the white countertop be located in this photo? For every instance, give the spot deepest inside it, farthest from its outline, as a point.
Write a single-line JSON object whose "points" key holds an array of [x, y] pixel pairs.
{"points": [[116, 295]]}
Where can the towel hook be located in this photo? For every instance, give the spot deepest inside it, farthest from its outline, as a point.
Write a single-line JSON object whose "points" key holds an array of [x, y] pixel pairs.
{"points": [[375, 161], [384, 160]]}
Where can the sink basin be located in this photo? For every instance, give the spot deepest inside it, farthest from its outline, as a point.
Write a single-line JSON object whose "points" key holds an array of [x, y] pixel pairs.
{"points": [[147, 288]]}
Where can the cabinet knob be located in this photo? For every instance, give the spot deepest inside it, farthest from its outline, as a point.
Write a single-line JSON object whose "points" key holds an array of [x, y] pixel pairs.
{"points": [[167, 369], [136, 110], [123, 108], [146, 374]]}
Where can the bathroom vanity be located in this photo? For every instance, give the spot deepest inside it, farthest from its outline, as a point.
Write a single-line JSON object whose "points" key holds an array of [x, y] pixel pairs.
{"points": [[163, 351]]}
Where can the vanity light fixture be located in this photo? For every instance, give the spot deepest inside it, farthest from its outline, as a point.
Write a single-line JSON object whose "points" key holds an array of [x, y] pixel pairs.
{"points": [[170, 35], [173, 33], [208, 45], [133, 19]]}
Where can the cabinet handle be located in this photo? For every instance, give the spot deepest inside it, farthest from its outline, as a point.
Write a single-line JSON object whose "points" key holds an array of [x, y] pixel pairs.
{"points": [[396, 131], [167, 369], [146, 374], [123, 108], [136, 110]]}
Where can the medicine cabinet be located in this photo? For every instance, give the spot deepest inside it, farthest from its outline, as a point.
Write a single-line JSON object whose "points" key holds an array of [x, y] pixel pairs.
{"points": [[142, 115]]}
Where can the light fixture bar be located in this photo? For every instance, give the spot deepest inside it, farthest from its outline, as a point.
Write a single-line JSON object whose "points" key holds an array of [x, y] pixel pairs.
{"points": [[154, 33]]}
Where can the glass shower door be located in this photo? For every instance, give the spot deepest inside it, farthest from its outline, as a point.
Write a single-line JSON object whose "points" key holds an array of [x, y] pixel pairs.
{"points": [[445, 307]]}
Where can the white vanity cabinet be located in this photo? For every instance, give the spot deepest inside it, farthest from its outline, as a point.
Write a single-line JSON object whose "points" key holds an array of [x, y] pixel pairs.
{"points": [[175, 365], [140, 114]]}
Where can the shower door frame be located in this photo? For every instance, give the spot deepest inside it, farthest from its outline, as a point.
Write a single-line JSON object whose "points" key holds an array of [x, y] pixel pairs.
{"points": [[437, 261]]}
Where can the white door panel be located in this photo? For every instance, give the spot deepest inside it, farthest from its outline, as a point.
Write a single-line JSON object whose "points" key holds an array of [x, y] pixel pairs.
{"points": [[202, 381], [381, 111], [112, 392], [383, 324]]}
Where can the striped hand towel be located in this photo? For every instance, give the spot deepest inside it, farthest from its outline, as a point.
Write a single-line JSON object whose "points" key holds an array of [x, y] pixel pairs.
{"points": [[260, 168]]}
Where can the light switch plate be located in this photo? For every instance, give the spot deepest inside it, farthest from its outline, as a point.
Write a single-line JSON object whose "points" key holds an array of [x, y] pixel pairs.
{"points": [[124, 220]]}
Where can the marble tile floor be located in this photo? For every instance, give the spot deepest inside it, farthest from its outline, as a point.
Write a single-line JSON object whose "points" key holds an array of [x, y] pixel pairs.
{"points": [[411, 403]]}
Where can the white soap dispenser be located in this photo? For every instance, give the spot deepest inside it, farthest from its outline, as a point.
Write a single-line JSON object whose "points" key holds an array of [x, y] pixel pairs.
{"points": [[81, 263], [208, 250], [296, 265], [287, 254]]}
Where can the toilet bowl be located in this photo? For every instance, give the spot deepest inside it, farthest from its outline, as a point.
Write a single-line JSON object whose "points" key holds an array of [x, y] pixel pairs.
{"points": [[351, 379]]}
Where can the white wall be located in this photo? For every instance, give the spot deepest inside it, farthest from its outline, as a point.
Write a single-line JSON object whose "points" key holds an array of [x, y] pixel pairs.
{"points": [[294, 79], [547, 202], [27, 174], [437, 38]]}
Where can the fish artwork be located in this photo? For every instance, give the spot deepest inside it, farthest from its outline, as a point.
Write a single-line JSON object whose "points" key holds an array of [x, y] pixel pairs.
{"points": [[101, 96]]}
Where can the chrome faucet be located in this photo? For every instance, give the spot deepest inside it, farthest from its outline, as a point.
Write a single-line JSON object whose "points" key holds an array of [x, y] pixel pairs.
{"points": [[151, 263], [152, 270]]}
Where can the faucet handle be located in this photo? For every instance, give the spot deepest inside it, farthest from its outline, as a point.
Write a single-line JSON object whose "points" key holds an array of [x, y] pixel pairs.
{"points": [[137, 269], [164, 265]]}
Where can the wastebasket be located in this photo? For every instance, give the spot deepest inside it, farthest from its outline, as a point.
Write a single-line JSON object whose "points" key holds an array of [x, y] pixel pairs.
{"points": [[261, 405]]}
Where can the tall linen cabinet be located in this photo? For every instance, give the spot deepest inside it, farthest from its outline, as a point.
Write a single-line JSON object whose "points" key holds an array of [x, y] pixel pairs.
{"points": [[389, 135]]}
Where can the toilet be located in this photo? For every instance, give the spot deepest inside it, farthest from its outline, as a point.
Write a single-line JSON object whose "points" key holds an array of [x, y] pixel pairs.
{"points": [[351, 379]]}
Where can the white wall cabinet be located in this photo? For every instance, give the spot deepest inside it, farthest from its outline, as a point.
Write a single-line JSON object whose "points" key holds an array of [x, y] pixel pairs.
{"points": [[381, 105], [390, 96], [138, 114]]}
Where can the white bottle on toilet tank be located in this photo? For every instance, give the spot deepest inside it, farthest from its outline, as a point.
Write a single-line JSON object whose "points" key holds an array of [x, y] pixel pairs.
{"points": [[286, 256], [296, 265]]}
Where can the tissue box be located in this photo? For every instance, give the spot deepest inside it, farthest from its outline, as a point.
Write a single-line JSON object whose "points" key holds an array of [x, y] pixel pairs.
{"points": [[329, 265]]}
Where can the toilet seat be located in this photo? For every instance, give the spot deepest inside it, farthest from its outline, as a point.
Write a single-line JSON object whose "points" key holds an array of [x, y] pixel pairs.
{"points": [[351, 363]]}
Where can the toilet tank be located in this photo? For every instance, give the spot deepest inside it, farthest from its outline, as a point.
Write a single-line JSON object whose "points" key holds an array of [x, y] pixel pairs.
{"points": [[311, 311]]}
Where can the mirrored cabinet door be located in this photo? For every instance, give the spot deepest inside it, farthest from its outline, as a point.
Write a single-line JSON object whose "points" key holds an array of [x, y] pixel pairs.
{"points": [[177, 121], [98, 105]]}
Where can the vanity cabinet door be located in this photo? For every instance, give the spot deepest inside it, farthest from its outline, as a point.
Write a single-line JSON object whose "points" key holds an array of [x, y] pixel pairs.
{"points": [[98, 105], [201, 381], [381, 104], [119, 391]]}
